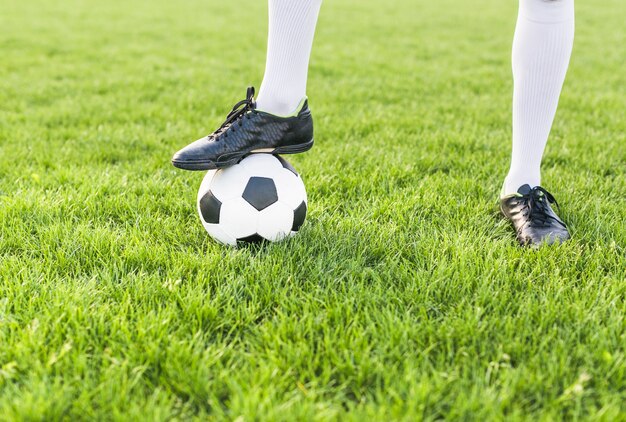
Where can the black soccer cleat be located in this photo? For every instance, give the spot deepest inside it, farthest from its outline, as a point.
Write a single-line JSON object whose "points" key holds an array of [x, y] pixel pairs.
{"points": [[534, 220], [247, 131]]}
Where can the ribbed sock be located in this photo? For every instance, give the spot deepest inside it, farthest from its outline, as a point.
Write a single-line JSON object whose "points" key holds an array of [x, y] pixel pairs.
{"points": [[291, 30], [542, 48]]}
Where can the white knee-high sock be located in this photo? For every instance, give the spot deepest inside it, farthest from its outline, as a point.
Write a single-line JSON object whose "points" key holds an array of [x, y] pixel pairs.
{"points": [[291, 30], [542, 47]]}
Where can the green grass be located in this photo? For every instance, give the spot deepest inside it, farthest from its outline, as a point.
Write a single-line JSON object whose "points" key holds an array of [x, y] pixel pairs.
{"points": [[405, 296]]}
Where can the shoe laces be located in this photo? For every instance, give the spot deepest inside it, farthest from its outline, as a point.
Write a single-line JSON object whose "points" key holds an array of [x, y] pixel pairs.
{"points": [[240, 110], [537, 203]]}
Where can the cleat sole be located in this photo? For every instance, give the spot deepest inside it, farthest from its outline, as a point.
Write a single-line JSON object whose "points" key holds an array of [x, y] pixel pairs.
{"points": [[211, 165]]}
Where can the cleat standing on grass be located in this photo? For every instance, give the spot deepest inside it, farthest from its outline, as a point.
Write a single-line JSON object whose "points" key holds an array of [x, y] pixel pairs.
{"points": [[533, 218]]}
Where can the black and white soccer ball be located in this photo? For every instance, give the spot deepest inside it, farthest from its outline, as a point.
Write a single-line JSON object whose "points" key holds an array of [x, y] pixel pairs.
{"points": [[261, 198]]}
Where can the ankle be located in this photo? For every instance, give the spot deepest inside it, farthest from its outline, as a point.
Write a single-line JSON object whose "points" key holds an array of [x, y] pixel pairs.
{"points": [[513, 182], [278, 106]]}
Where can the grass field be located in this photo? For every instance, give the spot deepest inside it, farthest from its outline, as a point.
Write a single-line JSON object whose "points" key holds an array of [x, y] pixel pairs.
{"points": [[405, 296]]}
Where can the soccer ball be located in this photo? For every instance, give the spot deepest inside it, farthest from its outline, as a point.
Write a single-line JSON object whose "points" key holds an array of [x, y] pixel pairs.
{"points": [[261, 198]]}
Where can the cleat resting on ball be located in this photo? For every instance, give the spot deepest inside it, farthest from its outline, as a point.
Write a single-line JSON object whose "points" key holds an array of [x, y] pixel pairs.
{"points": [[246, 131]]}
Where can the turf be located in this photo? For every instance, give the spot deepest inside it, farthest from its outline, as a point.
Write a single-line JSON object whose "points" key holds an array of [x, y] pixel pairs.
{"points": [[404, 297]]}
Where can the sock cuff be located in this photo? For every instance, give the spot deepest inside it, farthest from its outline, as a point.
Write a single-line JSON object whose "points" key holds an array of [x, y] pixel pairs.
{"points": [[282, 113], [547, 11]]}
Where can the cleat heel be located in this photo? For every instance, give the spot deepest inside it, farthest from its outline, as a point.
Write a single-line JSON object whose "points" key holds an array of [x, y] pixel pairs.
{"points": [[294, 149]]}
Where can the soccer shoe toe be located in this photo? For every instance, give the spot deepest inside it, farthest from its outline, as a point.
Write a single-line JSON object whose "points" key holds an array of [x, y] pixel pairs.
{"points": [[546, 237], [194, 156]]}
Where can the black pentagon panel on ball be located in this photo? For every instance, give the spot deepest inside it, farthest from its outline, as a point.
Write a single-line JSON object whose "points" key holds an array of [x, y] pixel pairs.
{"points": [[255, 238], [286, 164], [260, 192], [210, 208], [299, 215]]}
